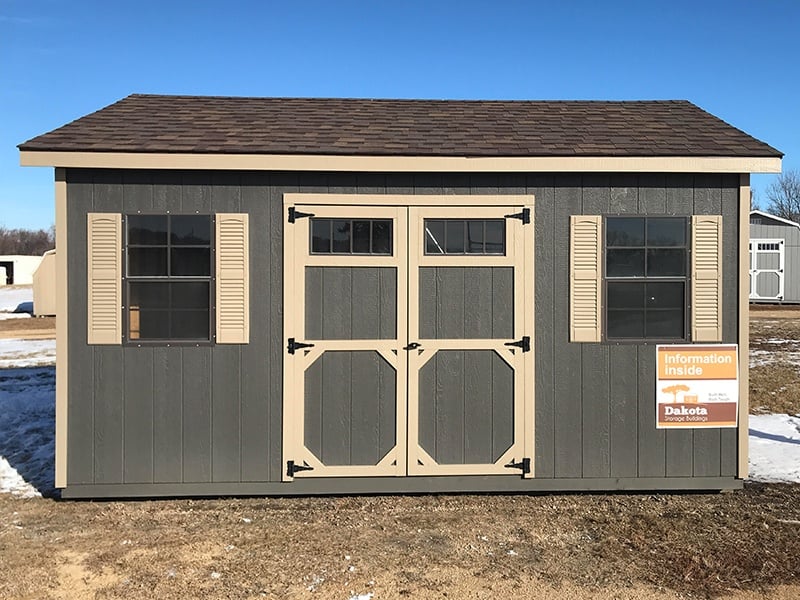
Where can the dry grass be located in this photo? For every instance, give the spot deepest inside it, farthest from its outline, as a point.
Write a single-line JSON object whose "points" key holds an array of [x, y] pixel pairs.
{"points": [[775, 360]]}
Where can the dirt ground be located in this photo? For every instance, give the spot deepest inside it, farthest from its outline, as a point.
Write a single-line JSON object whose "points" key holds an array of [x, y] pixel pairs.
{"points": [[743, 545], [28, 328], [468, 546]]}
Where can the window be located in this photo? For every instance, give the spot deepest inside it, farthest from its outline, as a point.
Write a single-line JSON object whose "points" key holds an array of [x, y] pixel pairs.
{"points": [[465, 236], [168, 277], [646, 278], [351, 236]]}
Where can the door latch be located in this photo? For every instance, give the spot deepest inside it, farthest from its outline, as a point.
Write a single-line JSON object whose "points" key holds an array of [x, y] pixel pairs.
{"points": [[412, 346], [293, 345], [524, 343]]}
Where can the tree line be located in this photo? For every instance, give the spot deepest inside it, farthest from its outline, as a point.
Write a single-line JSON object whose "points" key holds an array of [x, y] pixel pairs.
{"points": [[28, 242]]}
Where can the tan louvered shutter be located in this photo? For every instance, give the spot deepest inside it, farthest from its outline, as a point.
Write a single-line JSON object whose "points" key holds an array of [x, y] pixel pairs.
{"points": [[585, 244], [707, 278], [104, 233], [233, 279]]}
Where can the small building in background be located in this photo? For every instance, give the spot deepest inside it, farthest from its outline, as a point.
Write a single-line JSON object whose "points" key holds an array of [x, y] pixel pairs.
{"points": [[774, 258], [44, 286], [18, 269]]}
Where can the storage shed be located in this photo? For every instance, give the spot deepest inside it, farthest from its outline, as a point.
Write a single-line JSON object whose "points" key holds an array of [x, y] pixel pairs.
{"points": [[311, 296], [44, 286], [19, 268], [774, 259]]}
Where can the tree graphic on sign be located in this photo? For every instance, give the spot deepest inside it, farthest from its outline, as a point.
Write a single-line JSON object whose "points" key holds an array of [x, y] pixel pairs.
{"points": [[674, 389]]}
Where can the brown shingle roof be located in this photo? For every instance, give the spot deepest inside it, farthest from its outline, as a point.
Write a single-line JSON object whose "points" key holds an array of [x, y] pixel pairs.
{"points": [[198, 124]]}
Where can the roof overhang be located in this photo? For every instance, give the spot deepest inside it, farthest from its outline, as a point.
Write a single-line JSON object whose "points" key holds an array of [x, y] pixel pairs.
{"points": [[407, 164], [761, 213]]}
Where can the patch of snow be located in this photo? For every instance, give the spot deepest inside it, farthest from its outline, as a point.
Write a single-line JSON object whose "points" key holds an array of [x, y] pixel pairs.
{"points": [[27, 353], [775, 448], [12, 483], [366, 596], [215, 575], [14, 295]]}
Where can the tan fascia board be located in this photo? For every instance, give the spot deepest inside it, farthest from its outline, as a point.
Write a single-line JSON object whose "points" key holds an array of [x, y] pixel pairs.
{"points": [[402, 164]]}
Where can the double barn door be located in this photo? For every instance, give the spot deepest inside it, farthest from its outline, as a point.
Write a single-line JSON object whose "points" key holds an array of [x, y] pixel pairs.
{"points": [[408, 340]]}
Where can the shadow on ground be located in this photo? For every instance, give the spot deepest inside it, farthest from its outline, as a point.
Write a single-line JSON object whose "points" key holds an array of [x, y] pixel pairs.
{"points": [[27, 424]]}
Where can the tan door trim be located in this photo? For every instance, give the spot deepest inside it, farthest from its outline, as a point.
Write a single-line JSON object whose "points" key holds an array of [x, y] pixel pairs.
{"points": [[519, 253], [297, 256]]}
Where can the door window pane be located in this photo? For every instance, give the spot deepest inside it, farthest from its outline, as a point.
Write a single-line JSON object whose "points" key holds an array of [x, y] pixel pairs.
{"points": [[434, 237], [341, 237], [454, 242], [321, 236], [351, 236], [361, 237], [382, 237], [465, 236]]}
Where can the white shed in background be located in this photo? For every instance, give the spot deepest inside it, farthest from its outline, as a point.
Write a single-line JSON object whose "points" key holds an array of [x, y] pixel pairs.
{"points": [[44, 286], [19, 269], [774, 258]]}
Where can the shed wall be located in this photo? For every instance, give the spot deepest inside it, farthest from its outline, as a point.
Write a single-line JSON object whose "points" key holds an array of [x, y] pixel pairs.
{"points": [[209, 417], [791, 249]]}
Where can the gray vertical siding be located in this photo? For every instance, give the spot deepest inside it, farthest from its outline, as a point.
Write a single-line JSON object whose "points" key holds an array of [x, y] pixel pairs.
{"points": [[350, 408], [212, 414], [466, 407]]}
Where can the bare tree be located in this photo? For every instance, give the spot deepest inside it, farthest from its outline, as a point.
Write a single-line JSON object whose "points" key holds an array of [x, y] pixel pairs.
{"points": [[783, 195], [28, 242]]}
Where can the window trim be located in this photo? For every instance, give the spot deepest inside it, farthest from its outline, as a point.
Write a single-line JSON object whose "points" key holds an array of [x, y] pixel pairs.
{"points": [[210, 279], [686, 279]]}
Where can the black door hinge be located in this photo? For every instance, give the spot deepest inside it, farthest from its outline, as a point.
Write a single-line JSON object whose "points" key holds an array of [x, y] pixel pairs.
{"points": [[293, 345], [295, 214], [524, 343], [292, 468], [524, 464], [524, 216]]}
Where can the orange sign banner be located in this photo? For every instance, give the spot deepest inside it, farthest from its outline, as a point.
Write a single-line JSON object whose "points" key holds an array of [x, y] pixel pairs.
{"points": [[697, 386]]}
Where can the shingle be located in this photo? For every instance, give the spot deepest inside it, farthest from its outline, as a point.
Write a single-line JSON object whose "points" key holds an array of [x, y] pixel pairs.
{"points": [[229, 125]]}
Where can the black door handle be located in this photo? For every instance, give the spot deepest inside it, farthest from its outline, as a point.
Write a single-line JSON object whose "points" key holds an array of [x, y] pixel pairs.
{"points": [[413, 346]]}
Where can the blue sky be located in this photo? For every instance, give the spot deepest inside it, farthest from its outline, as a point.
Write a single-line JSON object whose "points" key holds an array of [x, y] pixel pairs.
{"points": [[59, 60]]}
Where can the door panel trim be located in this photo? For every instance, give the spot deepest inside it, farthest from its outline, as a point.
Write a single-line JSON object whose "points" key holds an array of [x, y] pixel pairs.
{"points": [[407, 259]]}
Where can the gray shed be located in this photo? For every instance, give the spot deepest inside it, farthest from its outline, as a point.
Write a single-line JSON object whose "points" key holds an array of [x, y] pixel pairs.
{"points": [[774, 259], [311, 296]]}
